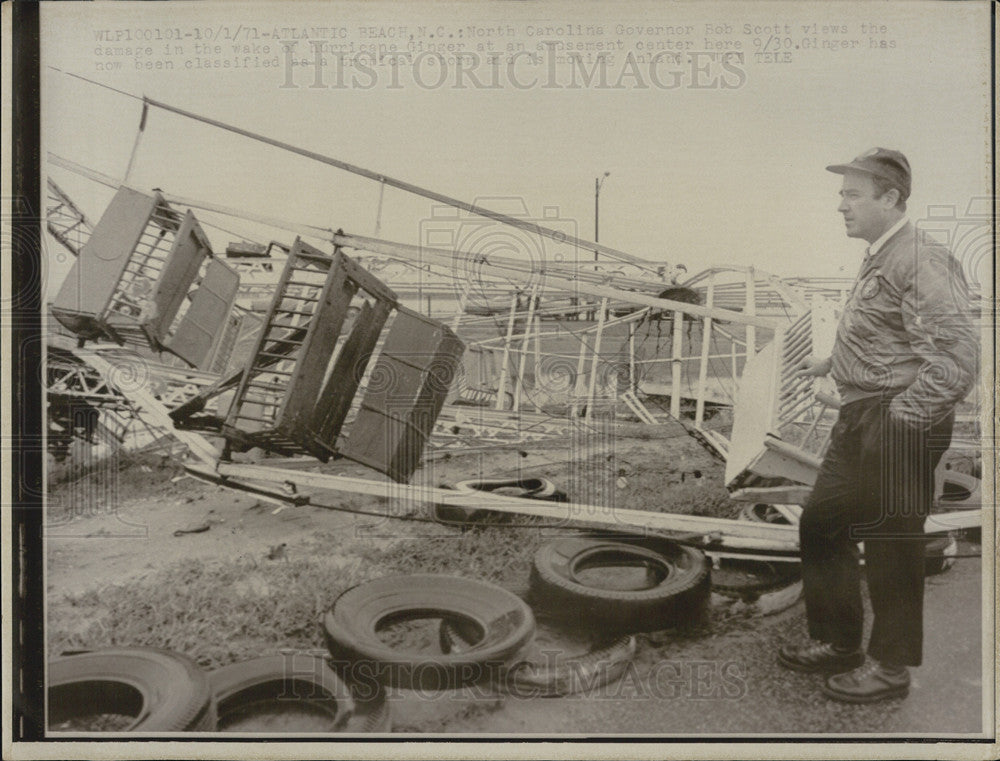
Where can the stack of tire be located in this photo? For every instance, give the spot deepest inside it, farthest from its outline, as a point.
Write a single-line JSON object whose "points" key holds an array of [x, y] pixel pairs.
{"points": [[484, 636], [500, 622], [132, 689], [620, 583], [574, 581], [769, 585]]}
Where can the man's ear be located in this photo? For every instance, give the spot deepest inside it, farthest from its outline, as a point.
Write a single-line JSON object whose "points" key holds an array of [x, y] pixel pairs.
{"points": [[890, 198]]}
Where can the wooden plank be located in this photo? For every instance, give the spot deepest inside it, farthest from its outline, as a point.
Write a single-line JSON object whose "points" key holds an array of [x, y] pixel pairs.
{"points": [[578, 380], [760, 535], [755, 410], [596, 358], [676, 354], [953, 521], [706, 345], [536, 397], [772, 462], [522, 361], [505, 362], [789, 450], [791, 513], [205, 322], [190, 247]]}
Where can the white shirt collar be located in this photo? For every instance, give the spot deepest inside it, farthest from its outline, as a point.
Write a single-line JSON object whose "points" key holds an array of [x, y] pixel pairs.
{"points": [[874, 247]]}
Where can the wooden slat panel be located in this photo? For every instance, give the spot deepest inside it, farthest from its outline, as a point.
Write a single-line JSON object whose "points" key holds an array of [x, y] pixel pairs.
{"points": [[304, 386]]}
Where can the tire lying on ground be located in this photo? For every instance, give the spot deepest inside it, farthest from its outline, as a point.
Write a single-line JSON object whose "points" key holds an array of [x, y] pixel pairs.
{"points": [[502, 624], [563, 676], [528, 488], [292, 693], [765, 603], [761, 513], [572, 578], [751, 578], [129, 689], [958, 491], [939, 554]]}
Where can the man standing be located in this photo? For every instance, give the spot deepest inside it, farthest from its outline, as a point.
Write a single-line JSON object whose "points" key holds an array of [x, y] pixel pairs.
{"points": [[905, 354]]}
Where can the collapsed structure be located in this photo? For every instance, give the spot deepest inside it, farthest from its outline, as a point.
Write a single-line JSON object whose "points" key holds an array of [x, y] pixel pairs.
{"points": [[306, 352]]}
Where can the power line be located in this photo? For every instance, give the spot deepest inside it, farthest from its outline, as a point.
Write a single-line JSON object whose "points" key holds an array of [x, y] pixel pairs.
{"points": [[98, 84], [522, 224]]}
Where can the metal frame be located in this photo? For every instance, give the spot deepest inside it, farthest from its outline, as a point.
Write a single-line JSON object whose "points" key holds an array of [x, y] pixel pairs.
{"points": [[278, 403]]}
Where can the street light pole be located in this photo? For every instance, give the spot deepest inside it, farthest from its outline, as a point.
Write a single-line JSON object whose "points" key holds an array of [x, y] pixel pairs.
{"points": [[598, 181]]}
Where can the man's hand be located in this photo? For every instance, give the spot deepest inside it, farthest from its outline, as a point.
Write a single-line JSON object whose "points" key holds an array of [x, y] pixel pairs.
{"points": [[813, 366]]}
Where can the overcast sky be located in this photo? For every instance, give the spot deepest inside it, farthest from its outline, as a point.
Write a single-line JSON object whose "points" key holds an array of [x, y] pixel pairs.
{"points": [[732, 174]]}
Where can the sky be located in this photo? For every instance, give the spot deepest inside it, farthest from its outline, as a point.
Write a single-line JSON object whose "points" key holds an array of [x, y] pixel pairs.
{"points": [[704, 176]]}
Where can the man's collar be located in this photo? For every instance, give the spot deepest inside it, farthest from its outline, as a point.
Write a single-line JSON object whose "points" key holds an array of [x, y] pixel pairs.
{"points": [[874, 247]]}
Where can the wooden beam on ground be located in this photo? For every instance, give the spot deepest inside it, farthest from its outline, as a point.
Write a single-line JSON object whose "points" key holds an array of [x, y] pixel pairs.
{"points": [[763, 536]]}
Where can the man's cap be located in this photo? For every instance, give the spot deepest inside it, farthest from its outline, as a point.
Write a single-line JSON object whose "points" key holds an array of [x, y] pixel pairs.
{"points": [[890, 165]]}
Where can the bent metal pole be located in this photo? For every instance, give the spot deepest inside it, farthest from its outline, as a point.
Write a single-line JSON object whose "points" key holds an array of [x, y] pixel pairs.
{"points": [[523, 224]]}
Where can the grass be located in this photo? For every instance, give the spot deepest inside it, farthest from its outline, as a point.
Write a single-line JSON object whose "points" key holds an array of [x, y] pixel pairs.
{"points": [[494, 553], [222, 611], [216, 613]]}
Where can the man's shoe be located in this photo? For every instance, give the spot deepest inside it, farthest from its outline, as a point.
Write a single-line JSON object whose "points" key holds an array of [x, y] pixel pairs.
{"points": [[819, 657], [868, 684]]}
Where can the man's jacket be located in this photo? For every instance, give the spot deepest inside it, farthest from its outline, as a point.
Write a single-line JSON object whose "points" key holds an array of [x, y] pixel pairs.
{"points": [[907, 331]]}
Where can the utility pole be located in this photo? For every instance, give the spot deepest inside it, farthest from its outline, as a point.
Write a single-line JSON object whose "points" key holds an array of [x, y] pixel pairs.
{"points": [[598, 181]]}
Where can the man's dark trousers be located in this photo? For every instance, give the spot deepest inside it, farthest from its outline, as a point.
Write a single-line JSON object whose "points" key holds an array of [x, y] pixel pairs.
{"points": [[876, 485]]}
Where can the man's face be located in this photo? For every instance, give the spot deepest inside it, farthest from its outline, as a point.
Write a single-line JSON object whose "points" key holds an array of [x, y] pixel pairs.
{"points": [[865, 215]]}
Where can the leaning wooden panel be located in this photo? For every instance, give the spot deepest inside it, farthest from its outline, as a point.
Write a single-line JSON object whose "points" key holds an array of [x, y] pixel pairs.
{"points": [[86, 292], [342, 383], [407, 387], [207, 320], [190, 247], [754, 413]]}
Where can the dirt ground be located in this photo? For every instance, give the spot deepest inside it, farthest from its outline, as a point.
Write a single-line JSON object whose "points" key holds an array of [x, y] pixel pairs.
{"points": [[138, 553]]}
